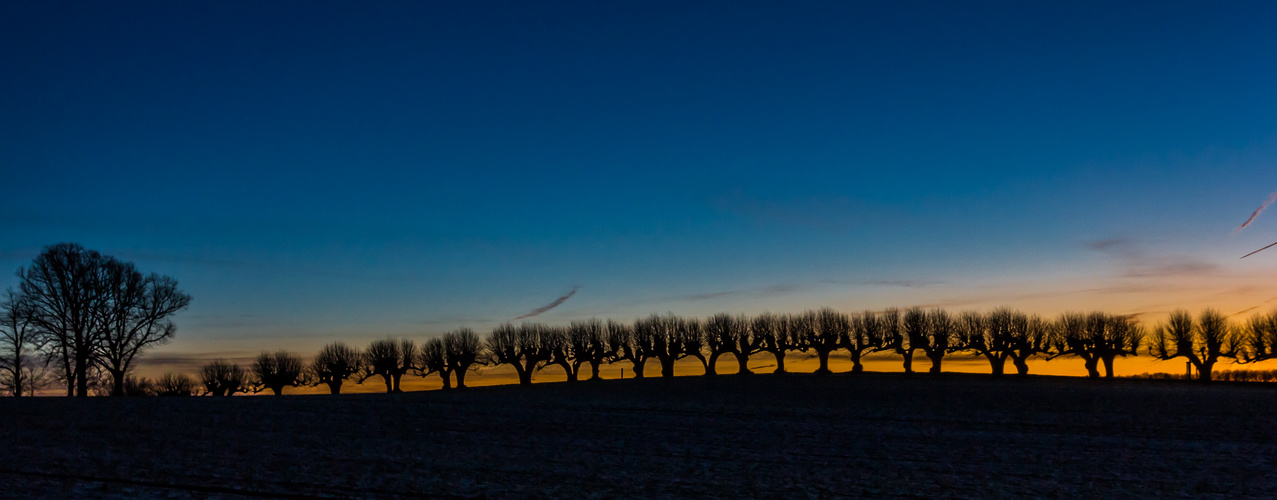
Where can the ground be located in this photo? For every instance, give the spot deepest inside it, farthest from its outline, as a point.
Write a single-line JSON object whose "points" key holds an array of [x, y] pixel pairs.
{"points": [[776, 436]]}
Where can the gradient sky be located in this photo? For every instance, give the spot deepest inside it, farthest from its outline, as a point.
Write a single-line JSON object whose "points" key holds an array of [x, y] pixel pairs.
{"points": [[319, 171]]}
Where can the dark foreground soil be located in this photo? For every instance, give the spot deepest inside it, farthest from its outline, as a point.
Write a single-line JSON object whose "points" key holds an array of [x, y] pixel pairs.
{"points": [[794, 436]]}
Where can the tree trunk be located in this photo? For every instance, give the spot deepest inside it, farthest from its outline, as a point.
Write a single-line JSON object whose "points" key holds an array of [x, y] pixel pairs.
{"points": [[572, 371], [445, 376], [525, 373], [1021, 366], [667, 367], [461, 379], [742, 360], [996, 365], [824, 361], [1204, 371], [711, 367], [638, 366], [1108, 367], [396, 378], [277, 389], [780, 360], [594, 370], [908, 357], [1091, 367], [856, 367], [390, 384], [82, 378], [936, 358], [334, 387], [117, 383]]}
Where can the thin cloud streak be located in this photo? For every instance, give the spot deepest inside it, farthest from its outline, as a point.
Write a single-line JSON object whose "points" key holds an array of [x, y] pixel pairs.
{"points": [[551, 305], [1274, 244], [1259, 210]]}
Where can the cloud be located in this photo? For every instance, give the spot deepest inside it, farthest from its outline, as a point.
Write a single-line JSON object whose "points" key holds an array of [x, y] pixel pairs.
{"points": [[551, 305], [1138, 263], [1259, 210]]}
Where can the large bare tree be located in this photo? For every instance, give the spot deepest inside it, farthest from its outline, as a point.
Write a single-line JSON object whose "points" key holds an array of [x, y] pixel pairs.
{"points": [[588, 341], [278, 370], [1260, 338], [775, 334], [135, 314], [1202, 342], [223, 378], [728, 334], [433, 358], [561, 350], [629, 345], [868, 334], [63, 287], [334, 364], [18, 375], [522, 347], [463, 348], [1096, 337]]}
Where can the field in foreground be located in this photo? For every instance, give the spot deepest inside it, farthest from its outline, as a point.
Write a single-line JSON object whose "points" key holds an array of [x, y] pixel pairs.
{"points": [[788, 436]]}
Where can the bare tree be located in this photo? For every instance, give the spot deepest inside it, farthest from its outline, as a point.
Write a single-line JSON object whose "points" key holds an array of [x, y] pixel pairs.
{"points": [[827, 333], [726, 334], [1202, 343], [462, 348], [1096, 337], [521, 347], [775, 335], [62, 287], [433, 358], [991, 335], [278, 370], [934, 332], [560, 348], [690, 340], [334, 364], [138, 387], [17, 340], [629, 345], [174, 384], [659, 337], [1031, 336], [390, 360], [222, 378], [588, 341], [135, 316], [1260, 338], [868, 334]]}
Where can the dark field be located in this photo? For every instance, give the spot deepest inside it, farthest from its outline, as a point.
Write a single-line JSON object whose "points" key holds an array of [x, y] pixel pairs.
{"points": [[790, 436]]}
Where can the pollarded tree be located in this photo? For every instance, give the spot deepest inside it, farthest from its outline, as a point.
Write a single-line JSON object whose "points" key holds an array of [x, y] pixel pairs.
{"points": [[690, 335], [726, 334], [561, 351], [278, 370], [868, 334], [462, 347], [934, 332], [1096, 337], [433, 358], [775, 335], [334, 364], [1202, 343], [826, 332], [589, 343], [521, 347], [628, 345], [990, 335], [1260, 338], [1031, 336], [174, 384], [135, 316], [389, 360], [666, 339], [221, 378]]}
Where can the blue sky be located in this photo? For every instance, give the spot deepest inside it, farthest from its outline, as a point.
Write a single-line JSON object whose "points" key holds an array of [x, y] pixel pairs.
{"points": [[312, 171]]}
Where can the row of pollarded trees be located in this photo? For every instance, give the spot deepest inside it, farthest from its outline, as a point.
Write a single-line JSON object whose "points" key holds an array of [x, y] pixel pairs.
{"points": [[998, 336]]}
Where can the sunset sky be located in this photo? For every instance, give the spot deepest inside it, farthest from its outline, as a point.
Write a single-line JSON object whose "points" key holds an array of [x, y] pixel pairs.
{"points": [[320, 171]]}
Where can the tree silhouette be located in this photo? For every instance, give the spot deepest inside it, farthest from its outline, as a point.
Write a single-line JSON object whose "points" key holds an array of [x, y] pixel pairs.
{"points": [[521, 347], [934, 332], [589, 343], [221, 378], [660, 337], [775, 335], [868, 334], [390, 360], [139, 387], [334, 364], [433, 358], [277, 370], [690, 335], [136, 316], [173, 384], [825, 331], [1202, 343], [1260, 339], [1096, 337], [1030, 336], [17, 339], [561, 351], [461, 348], [728, 334], [62, 287], [992, 335], [629, 345]]}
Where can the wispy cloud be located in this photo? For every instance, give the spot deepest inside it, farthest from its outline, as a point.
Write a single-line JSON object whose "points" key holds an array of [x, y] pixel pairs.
{"points": [[551, 305], [1138, 263], [1259, 210]]}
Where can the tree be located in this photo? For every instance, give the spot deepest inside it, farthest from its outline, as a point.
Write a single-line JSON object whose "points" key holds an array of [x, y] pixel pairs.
{"points": [[138, 387], [462, 348], [726, 334], [934, 332], [17, 339], [868, 334], [62, 287], [222, 378], [1096, 337], [561, 351], [1202, 343], [135, 312], [175, 384], [589, 343], [433, 358], [628, 345], [1260, 339], [390, 360], [775, 336], [825, 331], [660, 337], [990, 335], [522, 347], [1031, 336], [690, 341], [277, 370], [334, 364]]}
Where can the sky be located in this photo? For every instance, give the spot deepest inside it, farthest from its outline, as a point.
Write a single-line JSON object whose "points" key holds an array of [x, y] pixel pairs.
{"points": [[321, 171]]}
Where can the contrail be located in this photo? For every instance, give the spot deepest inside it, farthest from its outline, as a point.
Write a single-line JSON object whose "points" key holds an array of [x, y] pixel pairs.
{"points": [[1260, 250], [1259, 210], [551, 305]]}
